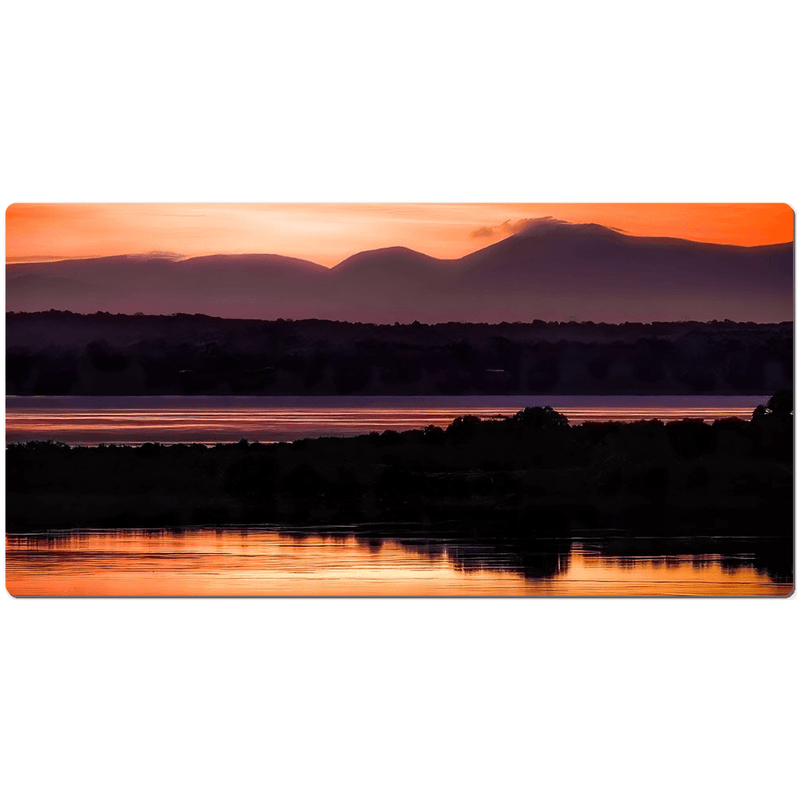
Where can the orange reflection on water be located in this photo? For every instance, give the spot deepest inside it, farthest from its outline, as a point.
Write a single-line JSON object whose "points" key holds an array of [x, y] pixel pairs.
{"points": [[152, 423], [264, 563]]}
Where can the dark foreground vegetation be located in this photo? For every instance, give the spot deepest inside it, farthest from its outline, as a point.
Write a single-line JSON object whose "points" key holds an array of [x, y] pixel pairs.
{"points": [[519, 479], [61, 353]]}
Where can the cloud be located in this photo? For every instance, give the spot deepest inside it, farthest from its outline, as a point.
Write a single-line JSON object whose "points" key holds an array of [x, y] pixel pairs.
{"points": [[510, 227], [507, 228], [483, 233]]}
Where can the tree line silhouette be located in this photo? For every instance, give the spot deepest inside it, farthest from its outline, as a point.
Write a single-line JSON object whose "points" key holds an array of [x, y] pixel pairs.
{"points": [[60, 353]]}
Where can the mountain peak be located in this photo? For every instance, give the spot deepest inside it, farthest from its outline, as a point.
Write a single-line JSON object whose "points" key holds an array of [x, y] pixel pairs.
{"points": [[386, 258], [546, 225]]}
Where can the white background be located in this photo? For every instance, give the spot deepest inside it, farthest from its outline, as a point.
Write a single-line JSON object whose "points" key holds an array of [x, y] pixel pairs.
{"points": [[431, 101]]}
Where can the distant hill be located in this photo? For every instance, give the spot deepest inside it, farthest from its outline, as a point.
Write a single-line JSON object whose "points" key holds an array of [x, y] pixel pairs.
{"points": [[550, 270]]}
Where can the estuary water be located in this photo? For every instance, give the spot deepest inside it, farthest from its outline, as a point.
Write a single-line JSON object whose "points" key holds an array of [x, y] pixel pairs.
{"points": [[135, 420], [384, 562]]}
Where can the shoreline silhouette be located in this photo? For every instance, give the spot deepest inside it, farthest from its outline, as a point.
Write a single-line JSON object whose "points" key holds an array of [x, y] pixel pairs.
{"points": [[515, 481]]}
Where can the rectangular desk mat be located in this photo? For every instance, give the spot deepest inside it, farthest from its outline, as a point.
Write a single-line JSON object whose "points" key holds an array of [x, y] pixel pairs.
{"points": [[399, 400]]}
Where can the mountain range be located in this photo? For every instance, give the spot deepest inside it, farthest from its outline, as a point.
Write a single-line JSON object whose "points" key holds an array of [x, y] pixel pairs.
{"points": [[550, 270]]}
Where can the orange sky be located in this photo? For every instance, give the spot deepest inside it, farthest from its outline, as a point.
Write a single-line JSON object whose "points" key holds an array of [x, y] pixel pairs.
{"points": [[327, 233]]}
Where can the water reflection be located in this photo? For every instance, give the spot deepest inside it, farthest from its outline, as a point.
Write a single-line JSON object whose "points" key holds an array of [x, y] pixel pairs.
{"points": [[299, 562], [134, 420]]}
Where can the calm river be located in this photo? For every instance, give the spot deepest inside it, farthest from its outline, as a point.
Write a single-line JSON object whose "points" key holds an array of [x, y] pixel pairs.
{"points": [[134, 420], [347, 562]]}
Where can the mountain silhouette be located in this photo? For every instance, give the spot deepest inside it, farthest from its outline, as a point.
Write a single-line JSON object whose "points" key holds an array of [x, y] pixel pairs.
{"points": [[548, 270]]}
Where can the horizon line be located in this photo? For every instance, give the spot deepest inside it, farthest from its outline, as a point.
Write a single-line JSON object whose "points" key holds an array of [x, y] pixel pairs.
{"points": [[415, 323], [177, 257]]}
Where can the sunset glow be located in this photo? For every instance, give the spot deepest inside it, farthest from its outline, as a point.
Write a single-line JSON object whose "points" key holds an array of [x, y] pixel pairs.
{"points": [[399, 399], [328, 233]]}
